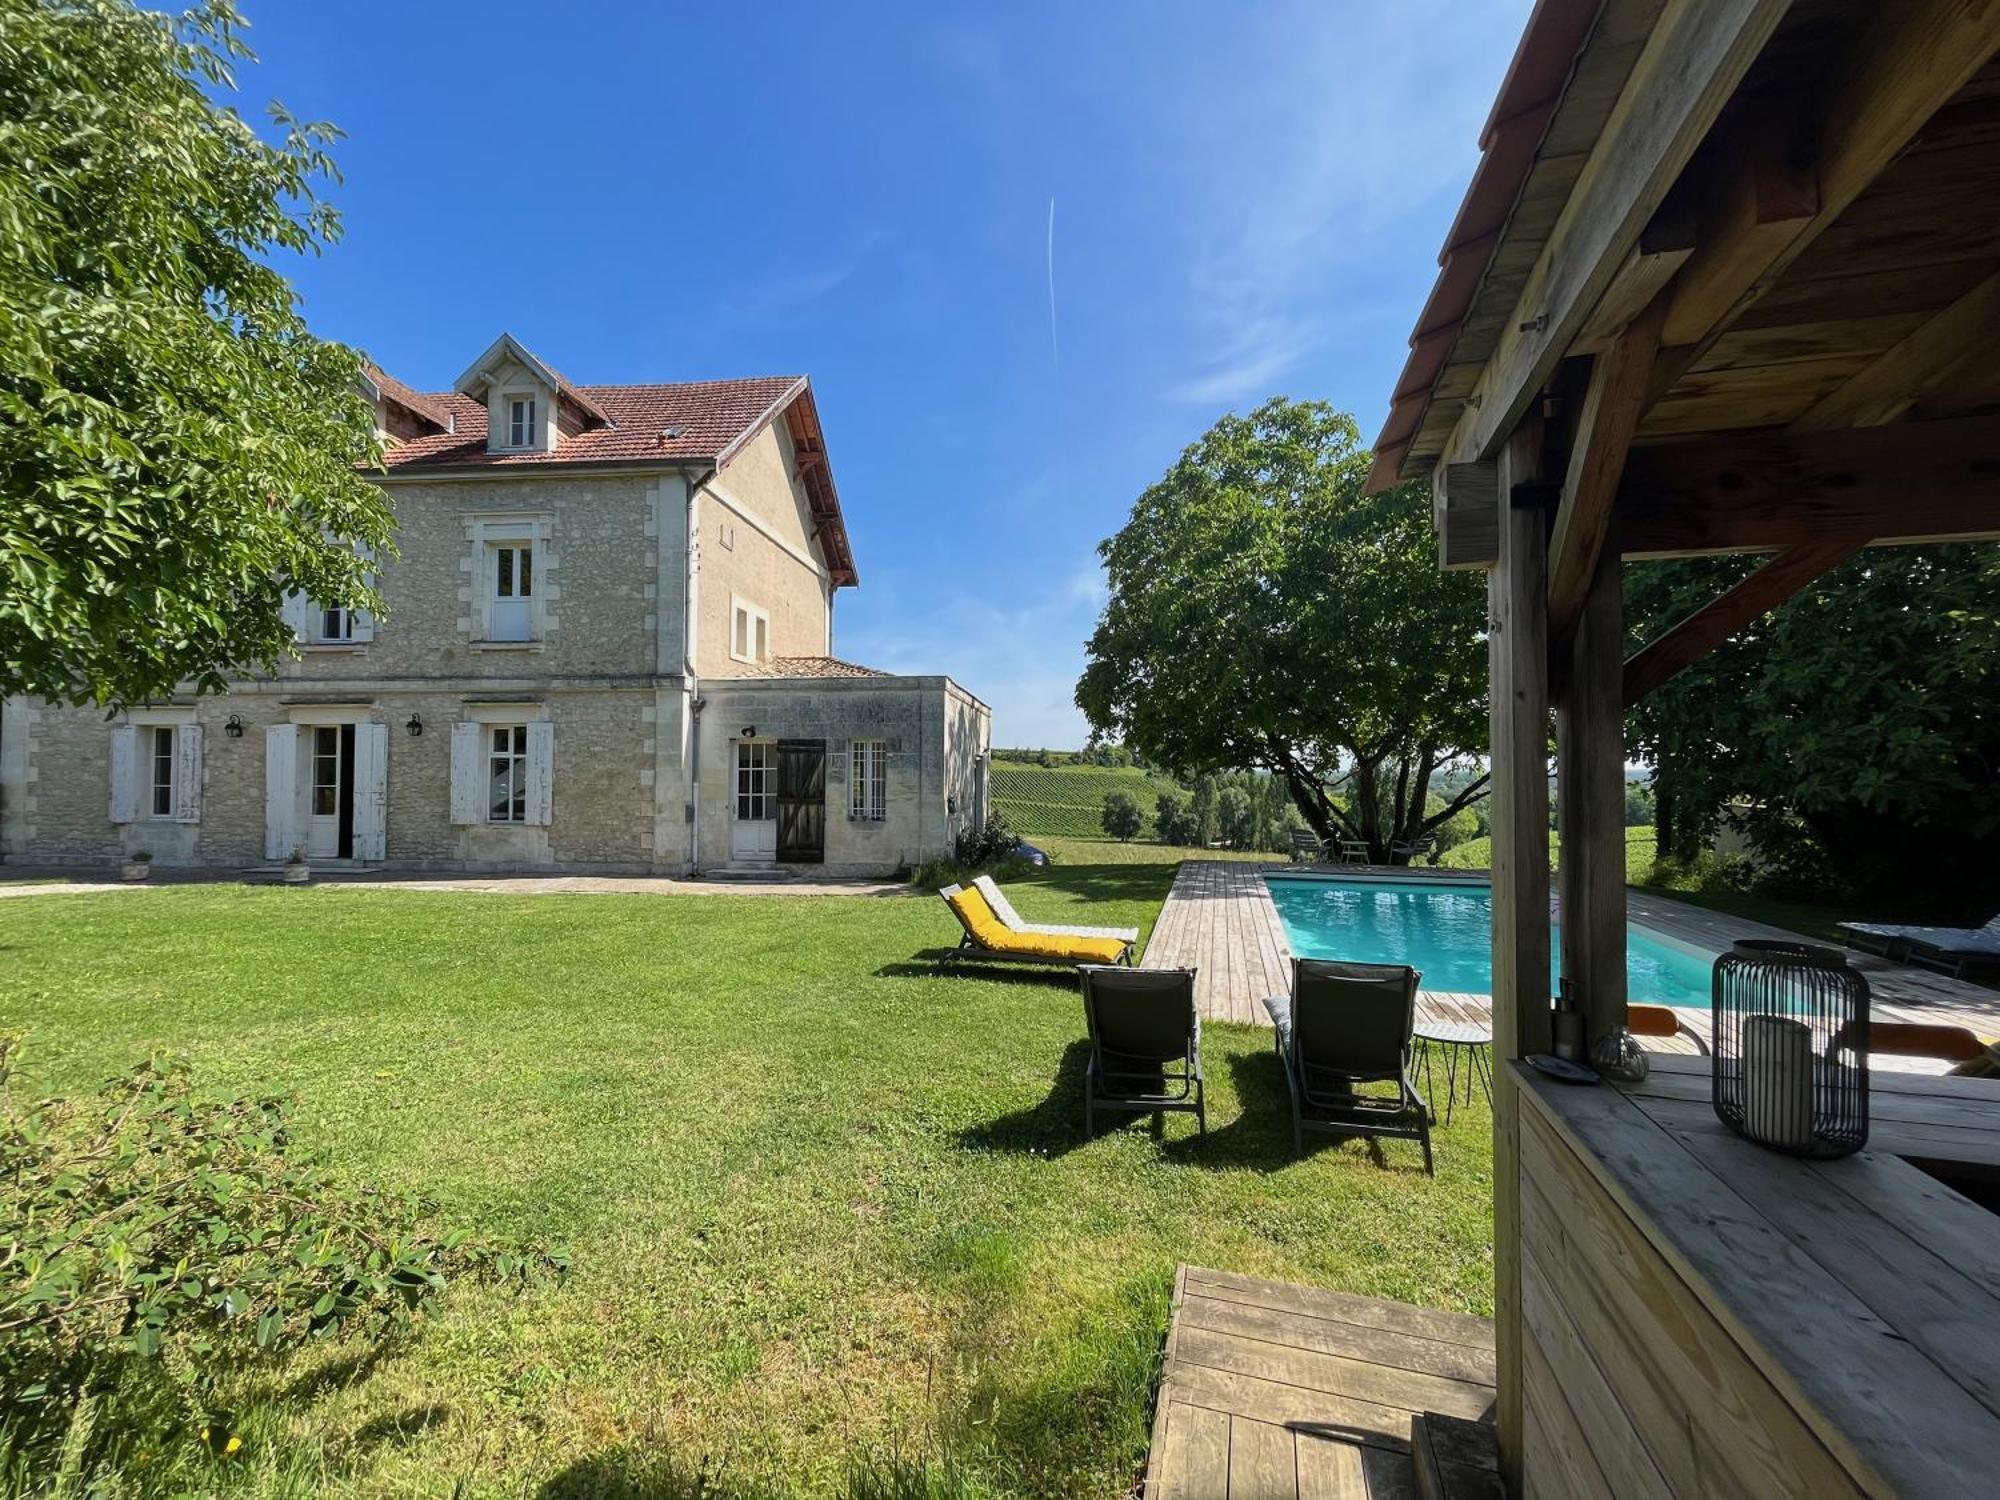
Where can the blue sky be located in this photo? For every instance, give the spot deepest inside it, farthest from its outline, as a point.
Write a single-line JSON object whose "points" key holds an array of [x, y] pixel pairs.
{"points": [[1248, 201]]}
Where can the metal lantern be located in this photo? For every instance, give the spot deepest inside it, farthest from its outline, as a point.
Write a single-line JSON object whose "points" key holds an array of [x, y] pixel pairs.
{"points": [[1791, 1048]]}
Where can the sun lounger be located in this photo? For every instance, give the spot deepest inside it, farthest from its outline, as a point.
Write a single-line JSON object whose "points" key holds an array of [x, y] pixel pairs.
{"points": [[986, 936], [1004, 910], [1895, 939], [1145, 1043], [1343, 1025]]}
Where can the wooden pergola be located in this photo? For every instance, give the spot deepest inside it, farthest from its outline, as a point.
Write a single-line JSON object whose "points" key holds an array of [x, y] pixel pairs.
{"points": [[1727, 280]]}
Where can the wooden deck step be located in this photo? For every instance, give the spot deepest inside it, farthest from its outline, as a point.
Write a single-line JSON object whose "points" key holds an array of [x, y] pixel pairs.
{"points": [[1291, 1393]]}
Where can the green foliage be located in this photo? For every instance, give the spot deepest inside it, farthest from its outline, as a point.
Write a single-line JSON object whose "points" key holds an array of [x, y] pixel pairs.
{"points": [[1265, 613], [1174, 821], [1235, 817], [147, 1231], [179, 451], [979, 847], [1850, 732], [1121, 817], [1065, 800]]}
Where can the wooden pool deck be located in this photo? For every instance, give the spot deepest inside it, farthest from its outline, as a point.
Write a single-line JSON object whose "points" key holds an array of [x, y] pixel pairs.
{"points": [[1219, 920], [1280, 1392]]}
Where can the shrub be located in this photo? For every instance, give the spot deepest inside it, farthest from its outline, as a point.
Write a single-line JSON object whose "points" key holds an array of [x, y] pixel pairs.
{"points": [[1122, 818], [153, 1240], [978, 847]]}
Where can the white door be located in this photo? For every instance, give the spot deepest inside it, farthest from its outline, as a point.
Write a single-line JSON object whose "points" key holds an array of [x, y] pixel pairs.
{"points": [[753, 832], [323, 798], [371, 787]]}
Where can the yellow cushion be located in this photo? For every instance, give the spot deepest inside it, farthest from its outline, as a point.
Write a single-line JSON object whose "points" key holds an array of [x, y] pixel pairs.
{"points": [[990, 932]]}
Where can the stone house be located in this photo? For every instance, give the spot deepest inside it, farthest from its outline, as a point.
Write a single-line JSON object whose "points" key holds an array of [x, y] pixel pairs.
{"points": [[608, 647]]}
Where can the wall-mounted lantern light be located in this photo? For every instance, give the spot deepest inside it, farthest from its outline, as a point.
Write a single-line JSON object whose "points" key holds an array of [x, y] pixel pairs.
{"points": [[749, 731], [415, 726], [234, 728]]}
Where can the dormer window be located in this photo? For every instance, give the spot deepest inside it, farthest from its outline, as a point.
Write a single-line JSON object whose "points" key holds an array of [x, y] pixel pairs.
{"points": [[520, 421]]}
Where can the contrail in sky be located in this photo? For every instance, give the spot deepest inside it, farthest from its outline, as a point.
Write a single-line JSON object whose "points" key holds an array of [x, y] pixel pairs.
{"points": [[1055, 352]]}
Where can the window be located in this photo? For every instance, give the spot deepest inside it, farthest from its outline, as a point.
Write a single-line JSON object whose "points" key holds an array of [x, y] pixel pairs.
{"points": [[336, 623], [511, 578], [326, 771], [160, 739], [749, 633], [868, 781], [756, 802], [521, 421], [507, 774]]}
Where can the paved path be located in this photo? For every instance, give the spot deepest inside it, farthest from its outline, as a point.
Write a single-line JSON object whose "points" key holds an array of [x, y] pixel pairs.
{"points": [[506, 885], [1219, 920]]}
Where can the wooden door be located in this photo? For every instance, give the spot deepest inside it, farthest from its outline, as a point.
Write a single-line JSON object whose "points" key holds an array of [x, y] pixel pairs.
{"points": [[802, 802]]}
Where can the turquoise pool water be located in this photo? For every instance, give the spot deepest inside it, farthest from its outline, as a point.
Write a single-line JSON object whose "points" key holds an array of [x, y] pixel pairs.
{"points": [[1446, 931]]}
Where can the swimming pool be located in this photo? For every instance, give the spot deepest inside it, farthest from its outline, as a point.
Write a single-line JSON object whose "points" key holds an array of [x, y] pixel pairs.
{"points": [[1446, 931]]}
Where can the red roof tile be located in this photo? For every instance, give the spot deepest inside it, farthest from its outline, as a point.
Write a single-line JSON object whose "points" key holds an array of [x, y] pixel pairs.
{"points": [[433, 409], [707, 416]]}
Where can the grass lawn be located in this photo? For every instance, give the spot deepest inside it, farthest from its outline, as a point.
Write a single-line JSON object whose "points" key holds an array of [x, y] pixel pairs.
{"points": [[1104, 851], [835, 1229]]}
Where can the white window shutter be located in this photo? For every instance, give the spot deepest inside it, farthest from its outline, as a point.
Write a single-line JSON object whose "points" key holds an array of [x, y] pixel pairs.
{"points": [[124, 773], [371, 787], [541, 771], [361, 625], [281, 791], [298, 613], [467, 783], [187, 773]]}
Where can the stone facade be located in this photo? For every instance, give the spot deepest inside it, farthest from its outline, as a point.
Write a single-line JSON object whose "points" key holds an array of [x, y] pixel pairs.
{"points": [[601, 674]]}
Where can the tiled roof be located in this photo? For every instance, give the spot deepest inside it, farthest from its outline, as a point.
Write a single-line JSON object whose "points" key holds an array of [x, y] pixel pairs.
{"points": [[430, 408], [817, 666], [705, 416]]}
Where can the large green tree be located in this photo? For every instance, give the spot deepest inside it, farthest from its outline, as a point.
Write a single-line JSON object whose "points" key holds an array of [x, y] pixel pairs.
{"points": [[1265, 613], [1854, 732], [177, 451]]}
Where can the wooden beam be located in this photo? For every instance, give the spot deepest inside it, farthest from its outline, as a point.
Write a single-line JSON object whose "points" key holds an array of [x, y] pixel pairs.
{"points": [[1910, 482], [1612, 406], [1708, 627], [1664, 247], [1906, 62], [1590, 786], [1517, 651], [1966, 329], [1692, 62]]}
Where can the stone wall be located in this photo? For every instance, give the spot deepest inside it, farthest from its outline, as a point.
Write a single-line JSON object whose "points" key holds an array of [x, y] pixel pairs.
{"points": [[756, 544]]}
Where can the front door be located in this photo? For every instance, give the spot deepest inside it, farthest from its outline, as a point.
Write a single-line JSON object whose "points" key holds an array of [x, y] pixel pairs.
{"points": [[330, 804], [753, 827], [802, 801]]}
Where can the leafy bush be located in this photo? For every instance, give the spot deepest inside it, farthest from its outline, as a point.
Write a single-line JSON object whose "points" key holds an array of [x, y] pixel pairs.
{"points": [[979, 847], [1122, 818], [150, 1240]]}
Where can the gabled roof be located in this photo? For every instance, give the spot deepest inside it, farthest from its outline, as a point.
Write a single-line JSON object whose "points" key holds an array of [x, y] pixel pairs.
{"points": [[694, 422], [507, 349], [379, 385]]}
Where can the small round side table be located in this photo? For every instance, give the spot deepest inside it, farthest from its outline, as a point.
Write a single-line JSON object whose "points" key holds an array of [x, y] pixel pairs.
{"points": [[1455, 1037]]}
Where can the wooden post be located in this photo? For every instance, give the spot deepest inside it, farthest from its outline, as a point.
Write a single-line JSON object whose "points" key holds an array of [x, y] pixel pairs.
{"points": [[1518, 655], [1590, 791]]}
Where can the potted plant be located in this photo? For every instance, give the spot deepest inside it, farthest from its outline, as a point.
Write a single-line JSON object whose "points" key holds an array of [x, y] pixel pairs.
{"points": [[138, 865], [297, 871]]}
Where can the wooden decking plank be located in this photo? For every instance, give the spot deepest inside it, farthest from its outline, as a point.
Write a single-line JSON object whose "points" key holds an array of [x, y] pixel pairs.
{"points": [[1346, 1307], [1452, 1361], [1193, 1461], [1262, 1464], [1381, 1385], [1343, 1417], [1331, 1470]]}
